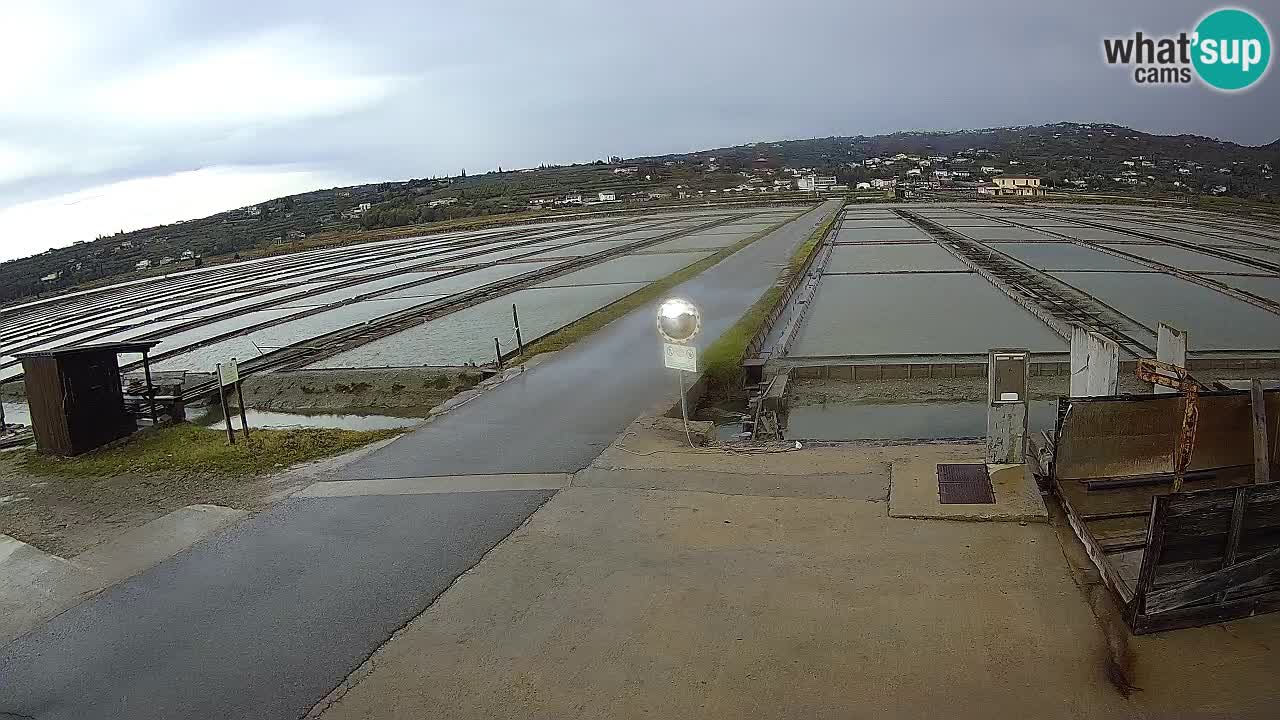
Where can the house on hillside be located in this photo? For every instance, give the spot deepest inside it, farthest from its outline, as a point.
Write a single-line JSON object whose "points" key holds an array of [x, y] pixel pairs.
{"points": [[864, 186], [572, 199], [142, 265], [816, 183], [606, 196], [1019, 186], [443, 202]]}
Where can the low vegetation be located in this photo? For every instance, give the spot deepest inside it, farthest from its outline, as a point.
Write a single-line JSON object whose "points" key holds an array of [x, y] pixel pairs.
{"points": [[722, 360], [194, 450]]}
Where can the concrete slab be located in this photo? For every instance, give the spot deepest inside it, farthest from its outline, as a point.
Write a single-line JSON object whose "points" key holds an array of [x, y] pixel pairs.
{"points": [[658, 604], [156, 541], [438, 484], [913, 493], [35, 586], [862, 485]]}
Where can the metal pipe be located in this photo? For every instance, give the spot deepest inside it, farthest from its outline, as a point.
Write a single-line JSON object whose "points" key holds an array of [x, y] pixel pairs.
{"points": [[151, 391], [515, 318]]}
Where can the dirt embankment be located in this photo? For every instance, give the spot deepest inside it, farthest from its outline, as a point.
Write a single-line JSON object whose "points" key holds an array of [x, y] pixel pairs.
{"points": [[409, 392], [933, 390]]}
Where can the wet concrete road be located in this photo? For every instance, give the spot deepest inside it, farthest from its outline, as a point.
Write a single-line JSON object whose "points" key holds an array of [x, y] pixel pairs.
{"points": [[561, 414], [265, 620]]}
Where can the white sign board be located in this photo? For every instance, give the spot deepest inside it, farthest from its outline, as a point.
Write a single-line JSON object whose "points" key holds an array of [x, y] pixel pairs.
{"points": [[229, 372], [680, 357]]}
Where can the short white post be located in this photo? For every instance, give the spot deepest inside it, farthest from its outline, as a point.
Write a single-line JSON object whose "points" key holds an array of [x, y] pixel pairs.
{"points": [[1171, 347]]}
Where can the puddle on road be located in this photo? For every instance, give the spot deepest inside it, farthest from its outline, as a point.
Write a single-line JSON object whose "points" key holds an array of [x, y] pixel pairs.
{"points": [[909, 421], [273, 420]]}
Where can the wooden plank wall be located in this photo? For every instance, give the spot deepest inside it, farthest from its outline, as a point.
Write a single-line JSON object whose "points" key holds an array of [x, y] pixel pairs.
{"points": [[1212, 555], [44, 396]]}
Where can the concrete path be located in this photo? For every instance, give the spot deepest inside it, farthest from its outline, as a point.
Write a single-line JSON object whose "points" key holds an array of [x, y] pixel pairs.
{"points": [[559, 415], [265, 620], [682, 586], [35, 585], [260, 622], [628, 603]]}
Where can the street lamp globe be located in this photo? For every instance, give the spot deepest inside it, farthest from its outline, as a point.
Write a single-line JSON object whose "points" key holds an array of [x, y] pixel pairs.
{"points": [[678, 320]]}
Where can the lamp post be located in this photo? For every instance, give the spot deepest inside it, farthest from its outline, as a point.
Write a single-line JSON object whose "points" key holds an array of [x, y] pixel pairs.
{"points": [[678, 323]]}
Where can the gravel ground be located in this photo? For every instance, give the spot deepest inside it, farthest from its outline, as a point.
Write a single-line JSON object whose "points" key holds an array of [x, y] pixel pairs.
{"points": [[66, 516]]}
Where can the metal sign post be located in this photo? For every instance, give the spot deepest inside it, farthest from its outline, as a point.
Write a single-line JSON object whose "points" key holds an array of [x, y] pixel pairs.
{"points": [[678, 322], [244, 420], [222, 397]]}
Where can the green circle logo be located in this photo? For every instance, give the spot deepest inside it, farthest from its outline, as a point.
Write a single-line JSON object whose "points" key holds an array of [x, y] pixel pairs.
{"points": [[1232, 49]]}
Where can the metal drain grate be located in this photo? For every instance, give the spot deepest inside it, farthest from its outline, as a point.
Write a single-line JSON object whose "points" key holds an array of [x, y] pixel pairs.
{"points": [[968, 484]]}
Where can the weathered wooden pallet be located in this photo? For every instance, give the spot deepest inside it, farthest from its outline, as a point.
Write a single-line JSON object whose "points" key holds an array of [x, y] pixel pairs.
{"points": [[1192, 558]]}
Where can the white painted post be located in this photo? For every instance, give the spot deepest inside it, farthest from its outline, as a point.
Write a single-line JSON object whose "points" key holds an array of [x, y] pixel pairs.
{"points": [[1079, 361], [1095, 363], [1171, 347], [1104, 366]]}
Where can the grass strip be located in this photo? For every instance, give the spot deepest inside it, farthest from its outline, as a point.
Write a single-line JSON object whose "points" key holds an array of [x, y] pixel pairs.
{"points": [[722, 360], [575, 331], [191, 449]]}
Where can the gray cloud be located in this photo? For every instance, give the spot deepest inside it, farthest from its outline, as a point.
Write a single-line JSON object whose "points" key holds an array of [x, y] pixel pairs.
{"points": [[384, 89]]}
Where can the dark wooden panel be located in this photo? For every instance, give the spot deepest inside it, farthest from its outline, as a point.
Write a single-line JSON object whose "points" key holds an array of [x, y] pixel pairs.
{"points": [[1264, 568], [44, 398], [1207, 614]]}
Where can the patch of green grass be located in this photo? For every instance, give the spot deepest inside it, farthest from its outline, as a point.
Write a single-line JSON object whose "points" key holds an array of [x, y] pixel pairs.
{"points": [[722, 360], [575, 331], [191, 449]]}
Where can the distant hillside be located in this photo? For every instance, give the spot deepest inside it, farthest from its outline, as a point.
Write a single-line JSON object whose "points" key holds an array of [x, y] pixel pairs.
{"points": [[1086, 156], [1092, 153]]}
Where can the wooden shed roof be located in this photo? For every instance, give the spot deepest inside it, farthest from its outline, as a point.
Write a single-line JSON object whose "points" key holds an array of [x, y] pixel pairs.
{"points": [[117, 347]]}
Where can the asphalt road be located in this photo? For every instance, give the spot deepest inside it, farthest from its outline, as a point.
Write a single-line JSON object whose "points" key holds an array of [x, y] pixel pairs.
{"points": [[561, 414], [264, 620]]}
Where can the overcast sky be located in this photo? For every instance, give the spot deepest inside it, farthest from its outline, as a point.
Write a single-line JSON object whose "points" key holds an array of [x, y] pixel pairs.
{"points": [[120, 114]]}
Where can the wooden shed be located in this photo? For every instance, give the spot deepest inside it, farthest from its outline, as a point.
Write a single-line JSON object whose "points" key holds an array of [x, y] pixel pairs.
{"points": [[76, 398]]}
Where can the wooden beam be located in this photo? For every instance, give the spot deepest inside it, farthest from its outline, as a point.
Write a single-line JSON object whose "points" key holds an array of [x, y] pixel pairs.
{"points": [[1151, 556], [1213, 583], [1235, 529], [1199, 615], [1261, 458]]}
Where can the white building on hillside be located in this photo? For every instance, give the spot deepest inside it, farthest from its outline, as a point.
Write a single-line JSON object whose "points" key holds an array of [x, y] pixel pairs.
{"points": [[1019, 186], [816, 183]]}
